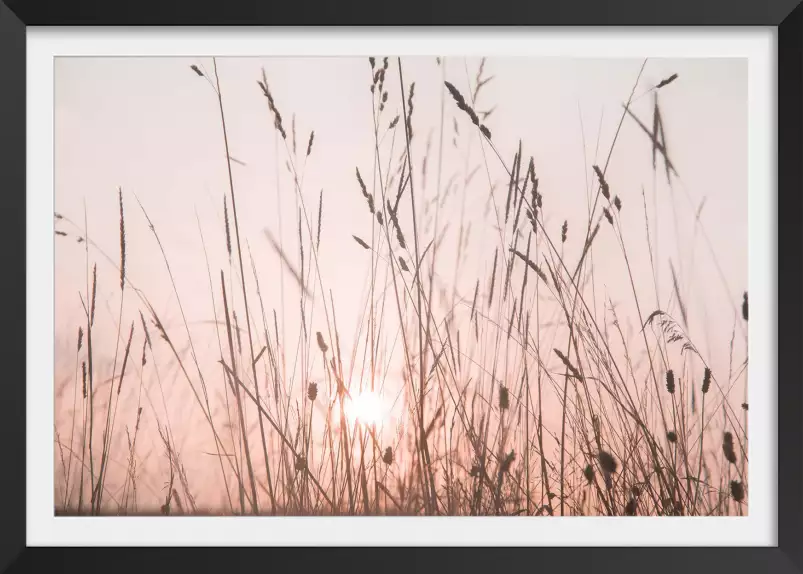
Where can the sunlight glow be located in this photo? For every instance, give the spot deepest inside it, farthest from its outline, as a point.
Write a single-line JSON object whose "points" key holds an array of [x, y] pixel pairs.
{"points": [[366, 407]]}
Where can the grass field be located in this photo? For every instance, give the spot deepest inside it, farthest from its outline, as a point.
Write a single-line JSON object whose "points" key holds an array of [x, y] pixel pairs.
{"points": [[510, 358]]}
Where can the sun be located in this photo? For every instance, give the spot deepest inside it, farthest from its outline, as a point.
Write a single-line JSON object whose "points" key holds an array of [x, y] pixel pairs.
{"points": [[366, 407]]}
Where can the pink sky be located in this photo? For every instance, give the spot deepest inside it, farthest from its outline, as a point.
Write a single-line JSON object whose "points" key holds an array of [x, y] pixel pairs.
{"points": [[151, 126]]}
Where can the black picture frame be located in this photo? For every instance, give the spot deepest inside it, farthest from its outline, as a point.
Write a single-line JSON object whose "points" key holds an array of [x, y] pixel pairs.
{"points": [[787, 15]]}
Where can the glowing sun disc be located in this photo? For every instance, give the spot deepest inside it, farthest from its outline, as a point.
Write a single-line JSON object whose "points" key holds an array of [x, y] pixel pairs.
{"points": [[366, 407]]}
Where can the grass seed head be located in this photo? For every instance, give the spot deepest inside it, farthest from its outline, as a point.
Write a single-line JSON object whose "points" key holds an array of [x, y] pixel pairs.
{"points": [[309, 143], [706, 380], [504, 398], [321, 343], [727, 448], [607, 462], [737, 490], [507, 462]]}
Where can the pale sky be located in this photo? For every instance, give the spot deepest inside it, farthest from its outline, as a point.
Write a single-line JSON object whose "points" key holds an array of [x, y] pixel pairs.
{"points": [[152, 127]]}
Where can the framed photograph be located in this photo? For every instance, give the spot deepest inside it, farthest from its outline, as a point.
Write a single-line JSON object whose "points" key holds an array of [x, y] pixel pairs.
{"points": [[440, 297]]}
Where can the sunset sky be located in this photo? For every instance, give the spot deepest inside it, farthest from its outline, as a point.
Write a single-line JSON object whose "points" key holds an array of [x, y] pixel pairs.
{"points": [[151, 126]]}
